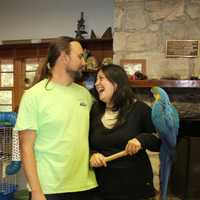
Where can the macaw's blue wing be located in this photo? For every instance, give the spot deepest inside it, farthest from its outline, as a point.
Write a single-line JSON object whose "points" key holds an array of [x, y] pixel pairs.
{"points": [[166, 121], [175, 118], [172, 126]]}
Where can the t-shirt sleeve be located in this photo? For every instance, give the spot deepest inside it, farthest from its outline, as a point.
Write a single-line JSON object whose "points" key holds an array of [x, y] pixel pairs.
{"points": [[148, 138], [27, 115], [93, 126], [90, 100], [148, 124]]}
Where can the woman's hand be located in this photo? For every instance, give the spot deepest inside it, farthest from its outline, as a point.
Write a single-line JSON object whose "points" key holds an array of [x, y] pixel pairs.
{"points": [[133, 146], [97, 160]]}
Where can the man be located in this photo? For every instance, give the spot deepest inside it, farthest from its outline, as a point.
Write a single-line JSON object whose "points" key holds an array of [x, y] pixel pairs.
{"points": [[53, 125]]}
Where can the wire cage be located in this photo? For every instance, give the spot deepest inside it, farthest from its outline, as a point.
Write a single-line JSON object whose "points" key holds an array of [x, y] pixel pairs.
{"points": [[7, 183]]}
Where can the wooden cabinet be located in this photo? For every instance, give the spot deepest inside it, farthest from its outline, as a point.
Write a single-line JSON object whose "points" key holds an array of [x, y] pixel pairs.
{"points": [[100, 49], [20, 62]]}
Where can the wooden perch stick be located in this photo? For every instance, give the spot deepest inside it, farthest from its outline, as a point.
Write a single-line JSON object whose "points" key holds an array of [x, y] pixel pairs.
{"points": [[116, 155]]}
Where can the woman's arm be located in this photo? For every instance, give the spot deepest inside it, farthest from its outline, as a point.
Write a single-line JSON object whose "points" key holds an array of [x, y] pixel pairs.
{"points": [[148, 137], [149, 141], [27, 140]]}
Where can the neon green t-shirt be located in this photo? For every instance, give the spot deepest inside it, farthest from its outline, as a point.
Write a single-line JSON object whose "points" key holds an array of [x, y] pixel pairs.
{"points": [[60, 116]]}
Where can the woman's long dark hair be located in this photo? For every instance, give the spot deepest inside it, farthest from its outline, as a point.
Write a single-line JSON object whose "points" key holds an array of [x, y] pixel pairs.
{"points": [[123, 97], [55, 48]]}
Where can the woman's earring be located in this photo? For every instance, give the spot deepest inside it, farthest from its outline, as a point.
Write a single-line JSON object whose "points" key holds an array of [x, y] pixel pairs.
{"points": [[48, 66]]}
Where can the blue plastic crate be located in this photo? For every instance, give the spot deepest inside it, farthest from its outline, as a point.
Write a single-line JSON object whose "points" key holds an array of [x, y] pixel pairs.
{"points": [[9, 196], [7, 191]]}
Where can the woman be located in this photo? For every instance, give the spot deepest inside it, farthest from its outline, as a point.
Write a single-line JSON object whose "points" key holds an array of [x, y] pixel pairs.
{"points": [[118, 122], [54, 147]]}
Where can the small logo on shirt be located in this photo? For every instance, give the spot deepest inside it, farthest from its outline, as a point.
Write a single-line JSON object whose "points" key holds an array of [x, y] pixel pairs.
{"points": [[82, 104]]}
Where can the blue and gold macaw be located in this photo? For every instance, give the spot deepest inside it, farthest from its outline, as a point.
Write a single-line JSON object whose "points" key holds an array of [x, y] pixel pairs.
{"points": [[166, 121]]}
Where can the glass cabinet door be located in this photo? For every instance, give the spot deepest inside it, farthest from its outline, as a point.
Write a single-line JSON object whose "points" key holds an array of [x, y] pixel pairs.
{"points": [[31, 65], [6, 84], [16, 75]]}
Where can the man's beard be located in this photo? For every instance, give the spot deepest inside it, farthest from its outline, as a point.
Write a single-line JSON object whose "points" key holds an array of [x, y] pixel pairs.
{"points": [[75, 75]]}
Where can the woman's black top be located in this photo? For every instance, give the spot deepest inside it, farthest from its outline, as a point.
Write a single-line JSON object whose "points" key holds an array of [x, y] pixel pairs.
{"points": [[130, 176]]}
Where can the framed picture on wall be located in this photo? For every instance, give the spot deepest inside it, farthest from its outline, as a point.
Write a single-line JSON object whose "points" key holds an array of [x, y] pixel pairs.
{"points": [[133, 65]]}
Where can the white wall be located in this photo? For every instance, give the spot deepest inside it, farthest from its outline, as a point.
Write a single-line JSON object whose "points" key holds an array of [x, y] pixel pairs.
{"points": [[36, 19]]}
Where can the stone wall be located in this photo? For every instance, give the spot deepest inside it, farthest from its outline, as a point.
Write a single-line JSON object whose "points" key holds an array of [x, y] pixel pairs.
{"points": [[141, 28]]}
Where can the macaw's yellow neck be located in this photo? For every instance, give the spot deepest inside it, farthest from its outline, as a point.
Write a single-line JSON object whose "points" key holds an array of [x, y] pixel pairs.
{"points": [[157, 97]]}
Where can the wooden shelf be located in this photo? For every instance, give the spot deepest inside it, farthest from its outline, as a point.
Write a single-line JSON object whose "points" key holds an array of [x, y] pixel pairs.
{"points": [[165, 83]]}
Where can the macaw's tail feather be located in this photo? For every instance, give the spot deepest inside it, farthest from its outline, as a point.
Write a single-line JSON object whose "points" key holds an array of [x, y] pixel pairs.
{"points": [[173, 155], [165, 169]]}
